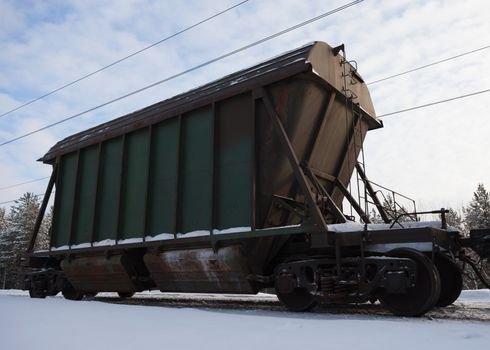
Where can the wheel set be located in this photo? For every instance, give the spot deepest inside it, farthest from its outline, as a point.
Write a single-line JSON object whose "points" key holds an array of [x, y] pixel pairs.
{"points": [[438, 282]]}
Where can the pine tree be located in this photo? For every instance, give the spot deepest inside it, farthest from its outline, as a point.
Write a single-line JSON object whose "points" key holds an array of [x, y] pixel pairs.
{"points": [[3, 221], [477, 213], [375, 217], [42, 240], [3, 260], [15, 240], [454, 219]]}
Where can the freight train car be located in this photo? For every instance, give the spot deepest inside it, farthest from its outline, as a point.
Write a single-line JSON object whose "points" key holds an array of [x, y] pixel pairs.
{"points": [[237, 186]]}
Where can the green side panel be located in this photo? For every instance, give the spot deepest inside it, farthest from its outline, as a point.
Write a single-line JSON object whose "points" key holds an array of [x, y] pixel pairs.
{"points": [[234, 162], [135, 179], [196, 170], [65, 199], [87, 170], [109, 184], [162, 190]]}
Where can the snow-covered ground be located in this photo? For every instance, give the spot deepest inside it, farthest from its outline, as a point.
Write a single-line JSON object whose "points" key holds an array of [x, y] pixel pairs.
{"points": [[55, 323]]}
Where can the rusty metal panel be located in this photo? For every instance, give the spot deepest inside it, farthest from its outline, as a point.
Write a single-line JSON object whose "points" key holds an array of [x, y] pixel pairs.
{"points": [[99, 274], [298, 102], [204, 270]]}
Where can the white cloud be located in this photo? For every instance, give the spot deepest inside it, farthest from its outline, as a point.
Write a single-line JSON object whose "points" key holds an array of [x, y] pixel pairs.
{"points": [[435, 155]]}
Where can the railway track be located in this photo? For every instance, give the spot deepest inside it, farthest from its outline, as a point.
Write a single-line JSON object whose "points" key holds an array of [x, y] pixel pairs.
{"points": [[470, 311]]}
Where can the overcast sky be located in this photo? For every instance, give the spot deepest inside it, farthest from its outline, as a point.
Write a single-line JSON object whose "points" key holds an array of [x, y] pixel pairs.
{"points": [[436, 155]]}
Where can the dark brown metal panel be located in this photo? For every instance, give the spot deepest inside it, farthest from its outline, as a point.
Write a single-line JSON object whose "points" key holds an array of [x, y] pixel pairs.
{"points": [[317, 216], [204, 270], [329, 150], [99, 274], [321, 124]]}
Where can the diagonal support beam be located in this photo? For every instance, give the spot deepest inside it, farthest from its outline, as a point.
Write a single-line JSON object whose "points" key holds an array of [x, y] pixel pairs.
{"points": [[372, 193], [353, 202], [313, 208], [331, 206], [42, 210]]}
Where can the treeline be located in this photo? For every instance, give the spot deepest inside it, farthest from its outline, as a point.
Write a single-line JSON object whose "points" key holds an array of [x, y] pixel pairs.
{"points": [[15, 232], [17, 224]]}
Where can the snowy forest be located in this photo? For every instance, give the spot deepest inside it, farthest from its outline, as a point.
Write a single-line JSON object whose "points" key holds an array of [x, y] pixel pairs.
{"points": [[17, 223]]}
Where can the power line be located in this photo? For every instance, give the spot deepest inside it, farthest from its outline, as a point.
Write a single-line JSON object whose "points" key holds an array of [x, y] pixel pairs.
{"points": [[428, 65], [122, 59], [243, 48], [435, 103], [13, 200], [23, 183]]}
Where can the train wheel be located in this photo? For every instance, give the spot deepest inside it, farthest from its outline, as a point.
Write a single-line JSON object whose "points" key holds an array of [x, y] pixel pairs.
{"points": [[124, 295], [451, 280], [71, 293], [299, 300], [420, 298], [90, 295], [34, 293]]}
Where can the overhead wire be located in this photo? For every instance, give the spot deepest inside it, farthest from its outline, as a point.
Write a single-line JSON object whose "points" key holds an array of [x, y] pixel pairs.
{"points": [[123, 59], [14, 200], [206, 63], [24, 183], [428, 65], [434, 103]]}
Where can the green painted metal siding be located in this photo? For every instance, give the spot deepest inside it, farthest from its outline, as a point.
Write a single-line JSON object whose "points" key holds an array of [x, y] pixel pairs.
{"points": [[65, 195], [135, 175], [163, 178], [160, 179], [109, 187], [234, 162], [87, 188], [196, 170]]}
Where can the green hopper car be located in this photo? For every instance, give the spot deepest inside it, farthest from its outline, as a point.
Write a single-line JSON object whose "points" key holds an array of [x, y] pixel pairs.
{"points": [[237, 186]]}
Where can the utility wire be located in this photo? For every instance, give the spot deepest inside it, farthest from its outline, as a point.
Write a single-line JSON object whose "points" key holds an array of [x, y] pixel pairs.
{"points": [[23, 183], [243, 48], [434, 103], [429, 65], [122, 59], [13, 200], [380, 116]]}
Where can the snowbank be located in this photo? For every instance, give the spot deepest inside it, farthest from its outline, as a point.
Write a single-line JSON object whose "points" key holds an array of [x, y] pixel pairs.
{"points": [[58, 323]]}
